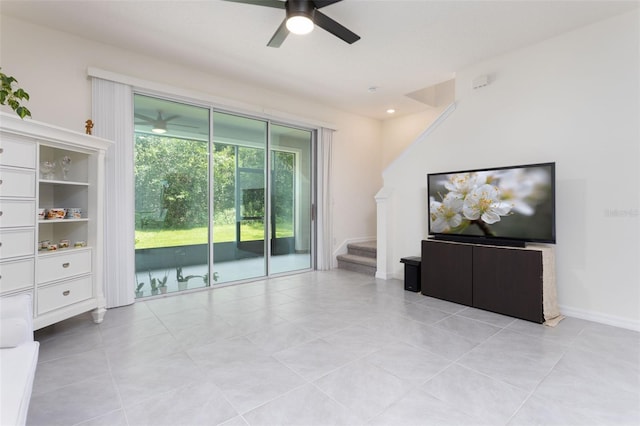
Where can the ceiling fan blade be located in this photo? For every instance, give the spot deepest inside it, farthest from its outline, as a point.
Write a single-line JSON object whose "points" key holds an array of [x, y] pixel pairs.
{"points": [[268, 3], [328, 24], [186, 126], [323, 3], [278, 37], [144, 117], [173, 117]]}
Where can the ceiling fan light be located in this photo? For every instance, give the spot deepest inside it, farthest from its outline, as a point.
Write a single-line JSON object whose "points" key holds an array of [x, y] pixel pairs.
{"points": [[159, 129], [300, 24]]}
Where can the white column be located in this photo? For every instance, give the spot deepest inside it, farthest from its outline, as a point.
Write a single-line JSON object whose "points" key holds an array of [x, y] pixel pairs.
{"points": [[384, 224]]}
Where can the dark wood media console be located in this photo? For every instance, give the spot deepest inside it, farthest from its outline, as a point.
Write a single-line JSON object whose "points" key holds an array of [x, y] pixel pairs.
{"points": [[519, 282]]}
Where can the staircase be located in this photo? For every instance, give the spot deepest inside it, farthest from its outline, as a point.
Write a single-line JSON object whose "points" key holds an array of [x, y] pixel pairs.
{"points": [[360, 257]]}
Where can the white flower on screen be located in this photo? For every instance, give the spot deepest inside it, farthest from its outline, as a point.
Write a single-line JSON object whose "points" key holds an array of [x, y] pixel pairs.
{"points": [[522, 189], [446, 214], [484, 203], [461, 184]]}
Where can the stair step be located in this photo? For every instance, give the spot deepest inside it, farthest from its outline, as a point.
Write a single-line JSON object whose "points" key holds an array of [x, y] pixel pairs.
{"points": [[363, 265], [365, 249], [360, 260]]}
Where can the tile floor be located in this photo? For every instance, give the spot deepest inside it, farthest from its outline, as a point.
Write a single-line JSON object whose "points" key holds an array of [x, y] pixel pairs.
{"points": [[330, 348]]}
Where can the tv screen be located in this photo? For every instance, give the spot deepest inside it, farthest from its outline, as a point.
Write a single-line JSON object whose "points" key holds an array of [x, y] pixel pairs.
{"points": [[501, 205]]}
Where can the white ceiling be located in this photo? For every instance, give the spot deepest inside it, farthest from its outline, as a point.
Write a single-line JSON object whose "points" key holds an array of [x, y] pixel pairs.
{"points": [[405, 45]]}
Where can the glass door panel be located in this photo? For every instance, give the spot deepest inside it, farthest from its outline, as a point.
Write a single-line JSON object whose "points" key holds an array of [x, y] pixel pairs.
{"points": [[291, 195], [239, 203], [171, 165]]}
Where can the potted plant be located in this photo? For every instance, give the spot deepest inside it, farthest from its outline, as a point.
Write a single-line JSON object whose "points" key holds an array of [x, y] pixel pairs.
{"points": [[205, 278], [182, 280], [162, 283], [11, 97], [139, 285], [154, 284], [139, 292]]}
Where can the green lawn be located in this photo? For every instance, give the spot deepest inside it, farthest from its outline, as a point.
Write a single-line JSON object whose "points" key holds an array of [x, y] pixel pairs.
{"points": [[155, 238]]}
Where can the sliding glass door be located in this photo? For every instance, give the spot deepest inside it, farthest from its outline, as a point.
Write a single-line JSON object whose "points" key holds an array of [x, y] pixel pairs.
{"points": [[219, 197]]}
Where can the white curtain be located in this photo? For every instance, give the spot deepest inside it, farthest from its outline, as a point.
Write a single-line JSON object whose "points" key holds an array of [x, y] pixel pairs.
{"points": [[324, 200], [112, 114]]}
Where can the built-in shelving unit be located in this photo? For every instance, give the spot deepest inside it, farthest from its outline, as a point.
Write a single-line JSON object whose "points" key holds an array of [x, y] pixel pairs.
{"points": [[57, 260]]}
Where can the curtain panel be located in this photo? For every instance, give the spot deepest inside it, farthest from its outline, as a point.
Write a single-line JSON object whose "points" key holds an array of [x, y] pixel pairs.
{"points": [[324, 201], [112, 114]]}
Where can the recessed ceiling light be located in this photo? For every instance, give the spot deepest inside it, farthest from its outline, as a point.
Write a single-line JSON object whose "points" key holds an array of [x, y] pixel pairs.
{"points": [[391, 111], [373, 89]]}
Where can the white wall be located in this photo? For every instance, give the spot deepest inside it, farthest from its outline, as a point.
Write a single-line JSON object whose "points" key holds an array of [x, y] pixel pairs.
{"points": [[573, 99], [399, 133], [52, 67]]}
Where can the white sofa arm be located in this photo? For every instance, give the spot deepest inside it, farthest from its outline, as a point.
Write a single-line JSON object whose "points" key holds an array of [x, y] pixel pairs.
{"points": [[18, 359], [16, 320]]}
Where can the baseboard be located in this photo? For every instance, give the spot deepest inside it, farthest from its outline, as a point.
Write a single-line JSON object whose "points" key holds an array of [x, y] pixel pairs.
{"points": [[383, 276], [600, 318], [396, 275]]}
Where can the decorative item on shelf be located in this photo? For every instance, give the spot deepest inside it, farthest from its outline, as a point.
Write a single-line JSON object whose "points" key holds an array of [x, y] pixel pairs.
{"points": [[74, 213], [42, 214], [52, 247], [65, 164], [44, 245], [88, 125], [47, 168], [64, 244], [56, 213], [79, 244]]}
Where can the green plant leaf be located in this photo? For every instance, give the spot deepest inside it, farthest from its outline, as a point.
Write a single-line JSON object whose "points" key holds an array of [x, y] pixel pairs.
{"points": [[8, 81], [23, 112], [21, 94]]}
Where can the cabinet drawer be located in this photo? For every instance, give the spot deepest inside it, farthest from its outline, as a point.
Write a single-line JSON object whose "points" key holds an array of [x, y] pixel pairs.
{"points": [[59, 266], [17, 213], [16, 275], [17, 183], [62, 294], [17, 153], [14, 243]]}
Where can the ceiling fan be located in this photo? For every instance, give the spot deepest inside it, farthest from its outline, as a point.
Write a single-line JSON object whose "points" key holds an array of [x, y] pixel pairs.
{"points": [[159, 124], [301, 15]]}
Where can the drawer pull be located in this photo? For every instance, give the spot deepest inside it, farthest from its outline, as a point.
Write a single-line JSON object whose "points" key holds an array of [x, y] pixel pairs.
{"points": [[1, 150], [66, 265], [66, 292], [0, 212], [0, 181]]}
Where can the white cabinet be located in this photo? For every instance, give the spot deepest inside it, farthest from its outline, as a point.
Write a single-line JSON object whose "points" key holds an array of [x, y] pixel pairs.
{"points": [[56, 258]]}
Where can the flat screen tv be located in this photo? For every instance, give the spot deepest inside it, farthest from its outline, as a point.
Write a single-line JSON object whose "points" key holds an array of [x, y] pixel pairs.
{"points": [[501, 205]]}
